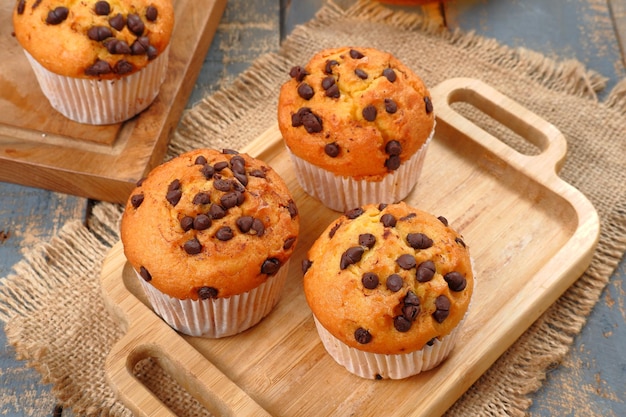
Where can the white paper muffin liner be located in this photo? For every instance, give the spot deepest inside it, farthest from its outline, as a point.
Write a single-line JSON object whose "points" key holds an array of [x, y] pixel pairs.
{"points": [[375, 365], [344, 193], [218, 317], [101, 102]]}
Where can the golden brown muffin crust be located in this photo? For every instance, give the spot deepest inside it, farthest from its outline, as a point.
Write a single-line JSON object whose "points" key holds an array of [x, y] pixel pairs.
{"points": [[342, 110], [218, 226], [394, 312], [102, 39]]}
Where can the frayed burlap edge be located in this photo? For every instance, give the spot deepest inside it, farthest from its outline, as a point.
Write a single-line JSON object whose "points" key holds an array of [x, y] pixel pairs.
{"points": [[519, 372]]}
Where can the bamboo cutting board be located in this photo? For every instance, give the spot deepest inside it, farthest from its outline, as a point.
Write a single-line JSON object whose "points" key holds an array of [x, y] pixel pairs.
{"points": [[530, 234], [41, 148]]}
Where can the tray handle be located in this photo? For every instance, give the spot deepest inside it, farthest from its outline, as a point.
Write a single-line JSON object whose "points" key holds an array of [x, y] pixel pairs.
{"points": [[147, 336], [528, 125]]}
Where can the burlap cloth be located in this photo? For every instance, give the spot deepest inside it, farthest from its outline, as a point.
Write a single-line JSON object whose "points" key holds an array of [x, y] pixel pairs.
{"points": [[51, 305]]}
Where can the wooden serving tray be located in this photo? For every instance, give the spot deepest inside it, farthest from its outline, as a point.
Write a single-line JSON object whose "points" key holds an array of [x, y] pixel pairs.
{"points": [[41, 148], [531, 236]]}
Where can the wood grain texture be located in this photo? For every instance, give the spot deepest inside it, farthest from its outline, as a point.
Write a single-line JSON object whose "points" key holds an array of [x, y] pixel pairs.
{"points": [[99, 162], [499, 195]]}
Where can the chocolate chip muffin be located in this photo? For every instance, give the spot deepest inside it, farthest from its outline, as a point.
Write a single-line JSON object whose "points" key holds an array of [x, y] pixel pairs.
{"points": [[97, 62], [210, 235], [357, 123], [388, 286]]}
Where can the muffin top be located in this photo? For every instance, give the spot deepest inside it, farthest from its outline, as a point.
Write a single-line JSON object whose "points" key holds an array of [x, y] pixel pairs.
{"points": [[388, 279], [94, 39], [209, 224], [356, 112]]}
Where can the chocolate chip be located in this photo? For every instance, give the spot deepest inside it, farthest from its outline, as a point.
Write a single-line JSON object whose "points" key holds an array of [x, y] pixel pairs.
{"points": [[388, 220], [216, 212], [221, 165], [270, 266], [406, 261], [402, 324], [370, 280], [333, 91], [173, 196], [208, 171], [361, 74], [193, 246], [333, 230], [289, 243], [428, 105], [431, 341], [411, 306], [117, 22], [328, 68], [258, 173], [238, 164], [356, 54], [459, 241], [143, 272], [425, 271], [332, 149], [202, 198], [136, 200], [305, 117], [258, 227], [392, 163], [442, 305], [152, 13], [222, 184], [306, 264], [174, 185], [100, 67], [354, 213], [298, 73], [21, 6], [117, 47], [367, 239], [382, 206], [200, 160], [394, 282], [232, 199], [456, 281], [202, 222], [419, 241], [123, 67], [57, 15], [362, 336], [224, 233], [305, 91], [351, 256], [328, 82], [152, 52], [393, 147], [135, 24], [369, 113], [207, 292], [244, 223], [411, 299], [102, 8], [242, 178], [228, 151], [99, 33], [390, 106], [140, 47], [186, 223], [292, 208], [390, 74], [408, 216], [443, 220]]}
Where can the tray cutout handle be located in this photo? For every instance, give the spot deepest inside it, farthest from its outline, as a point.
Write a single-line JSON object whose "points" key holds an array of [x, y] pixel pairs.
{"points": [[147, 336], [536, 130], [192, 371]]}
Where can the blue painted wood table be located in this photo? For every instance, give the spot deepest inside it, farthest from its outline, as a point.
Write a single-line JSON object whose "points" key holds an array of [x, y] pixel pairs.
{"points": [[591, 31]]}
